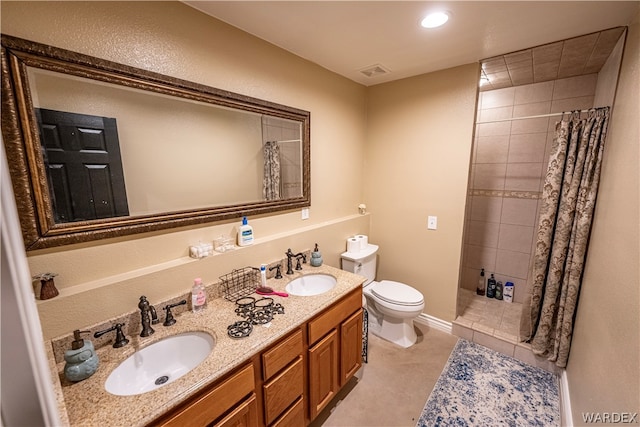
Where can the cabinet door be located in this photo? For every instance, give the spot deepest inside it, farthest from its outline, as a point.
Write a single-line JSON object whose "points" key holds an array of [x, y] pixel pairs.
{"points": [[245, 415], [323, 373], [350, 347]]}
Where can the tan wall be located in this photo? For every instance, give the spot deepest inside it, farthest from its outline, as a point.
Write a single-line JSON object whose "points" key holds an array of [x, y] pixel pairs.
{"points": [[100, 280], [417, 164], [603, 370]]}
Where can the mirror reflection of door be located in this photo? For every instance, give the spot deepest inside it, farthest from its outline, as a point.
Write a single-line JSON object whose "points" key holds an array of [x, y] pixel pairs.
{"points": [[84, 168]]}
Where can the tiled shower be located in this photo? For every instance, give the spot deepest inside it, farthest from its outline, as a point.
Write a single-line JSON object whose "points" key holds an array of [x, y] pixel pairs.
{"points": [[509, 160]]}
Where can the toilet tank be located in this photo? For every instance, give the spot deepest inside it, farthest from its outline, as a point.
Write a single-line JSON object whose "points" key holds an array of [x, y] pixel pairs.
{"points": [[362, 262]]}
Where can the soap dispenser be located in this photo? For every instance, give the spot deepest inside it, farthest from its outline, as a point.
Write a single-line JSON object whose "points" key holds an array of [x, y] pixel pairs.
{"points": [[316, 257], [82, 360]]}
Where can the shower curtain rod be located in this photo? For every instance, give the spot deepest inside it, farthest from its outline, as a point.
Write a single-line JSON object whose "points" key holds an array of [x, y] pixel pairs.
{"points": [[528, 117]]}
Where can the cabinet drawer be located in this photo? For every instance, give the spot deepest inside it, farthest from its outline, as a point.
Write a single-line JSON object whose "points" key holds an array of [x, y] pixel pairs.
{"points": [[245, 414], [293, 417], [332, 317], [281, 354], [283, 390], [212, 404]]}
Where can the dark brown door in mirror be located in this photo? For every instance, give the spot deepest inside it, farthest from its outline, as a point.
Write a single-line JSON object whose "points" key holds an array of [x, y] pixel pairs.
{"points": [[84, 167]]}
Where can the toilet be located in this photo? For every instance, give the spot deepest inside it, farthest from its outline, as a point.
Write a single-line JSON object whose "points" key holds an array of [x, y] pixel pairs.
{"points": [[392, 306]]}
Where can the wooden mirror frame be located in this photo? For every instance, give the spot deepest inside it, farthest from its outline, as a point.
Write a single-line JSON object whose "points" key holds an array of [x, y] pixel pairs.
{"points": [[26, 165]]}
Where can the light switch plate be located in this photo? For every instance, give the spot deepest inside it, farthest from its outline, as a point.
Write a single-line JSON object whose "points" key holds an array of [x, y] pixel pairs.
{"points": [[305, 213], [432, 223]]}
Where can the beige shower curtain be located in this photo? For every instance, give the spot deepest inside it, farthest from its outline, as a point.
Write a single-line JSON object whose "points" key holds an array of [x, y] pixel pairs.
{"points": [[568, 200]]}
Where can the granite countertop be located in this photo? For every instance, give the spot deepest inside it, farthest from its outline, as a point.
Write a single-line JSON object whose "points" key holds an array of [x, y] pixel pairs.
{"points": [[87, 403]]}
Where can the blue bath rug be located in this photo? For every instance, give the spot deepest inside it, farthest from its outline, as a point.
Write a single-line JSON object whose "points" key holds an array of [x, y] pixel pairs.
{"points": [[481, 387]]}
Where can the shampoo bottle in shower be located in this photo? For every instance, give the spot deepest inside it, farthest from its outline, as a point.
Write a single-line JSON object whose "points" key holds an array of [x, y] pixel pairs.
{"points": [[491, 287], [499, 289], [481, 285]]}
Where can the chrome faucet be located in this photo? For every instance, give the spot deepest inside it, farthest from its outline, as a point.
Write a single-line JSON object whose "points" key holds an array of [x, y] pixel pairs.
{"points": [[290, 256], [145, 309]]}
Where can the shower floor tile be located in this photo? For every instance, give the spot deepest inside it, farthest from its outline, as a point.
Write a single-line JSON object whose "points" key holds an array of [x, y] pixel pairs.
{"points": [[494, 324], [490, 316]]}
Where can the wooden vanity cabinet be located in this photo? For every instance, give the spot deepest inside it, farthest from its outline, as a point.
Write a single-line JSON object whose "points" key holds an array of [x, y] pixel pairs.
{"points": [[283, 386], [288, 384], [335, 350], [230, 402]]}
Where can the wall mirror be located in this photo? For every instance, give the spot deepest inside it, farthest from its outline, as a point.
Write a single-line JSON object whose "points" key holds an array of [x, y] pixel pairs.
{"points": [[98, 149]]}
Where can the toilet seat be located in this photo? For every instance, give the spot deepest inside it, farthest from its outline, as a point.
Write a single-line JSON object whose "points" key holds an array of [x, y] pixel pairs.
{"points": [[397, 293]]}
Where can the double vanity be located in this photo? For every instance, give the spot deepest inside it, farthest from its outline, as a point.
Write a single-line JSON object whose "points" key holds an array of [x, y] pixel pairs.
{"points": [[283, 374]]}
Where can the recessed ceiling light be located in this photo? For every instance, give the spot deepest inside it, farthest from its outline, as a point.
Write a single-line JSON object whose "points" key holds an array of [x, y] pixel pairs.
{"points": [[435, 19]]}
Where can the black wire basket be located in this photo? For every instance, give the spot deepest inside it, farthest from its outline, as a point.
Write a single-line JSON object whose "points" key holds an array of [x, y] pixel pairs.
{"points": [[240, 283]]}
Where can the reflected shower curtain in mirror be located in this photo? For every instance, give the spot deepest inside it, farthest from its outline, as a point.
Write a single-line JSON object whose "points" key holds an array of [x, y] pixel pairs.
{"points": [[271, 181], [568, 200]]}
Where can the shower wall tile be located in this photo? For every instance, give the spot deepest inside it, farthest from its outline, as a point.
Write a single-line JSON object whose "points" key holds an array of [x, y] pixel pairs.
{"points": [[537, 92], [516, 238], [523, 177], [493, 129], [497, 98], [470, 277], [512, 156], [527, 148], [482, 233], [490, 176], [575, 87], [582, 103], [492, 149], [519, 211], [488, 209], [496, 113], [540, 124], [533, 109], [511, 263], [479, 257]]}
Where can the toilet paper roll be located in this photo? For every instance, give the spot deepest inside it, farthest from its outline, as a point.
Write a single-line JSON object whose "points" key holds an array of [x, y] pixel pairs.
{"points": [[364, 241], [353, 245]]}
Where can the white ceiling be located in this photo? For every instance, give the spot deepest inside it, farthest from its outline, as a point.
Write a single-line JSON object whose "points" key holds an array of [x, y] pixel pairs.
{"points": [[348, 36]]}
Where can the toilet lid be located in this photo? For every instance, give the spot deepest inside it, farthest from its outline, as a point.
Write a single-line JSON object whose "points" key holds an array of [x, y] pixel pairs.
{"points": [[397, 293]]}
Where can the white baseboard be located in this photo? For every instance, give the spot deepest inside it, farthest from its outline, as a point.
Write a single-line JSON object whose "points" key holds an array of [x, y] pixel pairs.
{"points": [[565, 401], [434, 322]]}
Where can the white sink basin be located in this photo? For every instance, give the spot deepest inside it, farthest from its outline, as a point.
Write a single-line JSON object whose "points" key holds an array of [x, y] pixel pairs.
{"points": [[311, 284], [159, 364]]}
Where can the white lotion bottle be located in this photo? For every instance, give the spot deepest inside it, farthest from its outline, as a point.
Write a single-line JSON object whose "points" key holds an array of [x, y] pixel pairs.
{"points": [[245, 233]]}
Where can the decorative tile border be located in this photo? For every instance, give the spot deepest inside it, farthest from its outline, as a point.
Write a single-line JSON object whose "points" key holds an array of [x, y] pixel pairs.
{"points": [[534, 195]]}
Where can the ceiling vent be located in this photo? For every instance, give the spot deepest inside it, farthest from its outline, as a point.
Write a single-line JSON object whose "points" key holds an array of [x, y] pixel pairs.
{"points": [[374, 70]]}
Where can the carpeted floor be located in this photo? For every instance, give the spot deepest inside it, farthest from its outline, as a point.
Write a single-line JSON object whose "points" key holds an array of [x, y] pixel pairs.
{"points": [[480, 387]]}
